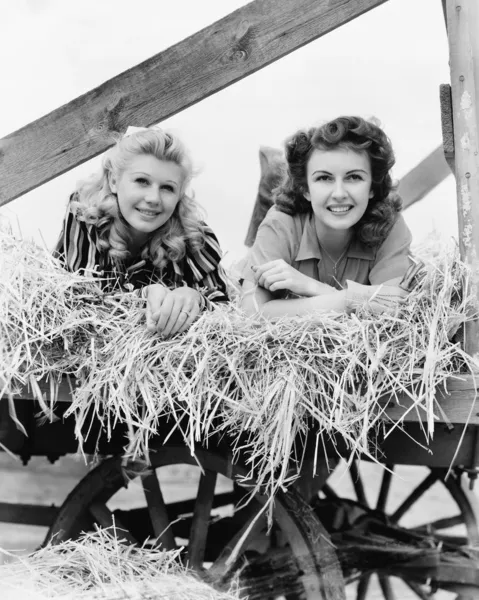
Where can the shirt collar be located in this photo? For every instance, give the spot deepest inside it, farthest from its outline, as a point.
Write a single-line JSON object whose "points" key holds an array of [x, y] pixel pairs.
{"points": [[309, 246]]}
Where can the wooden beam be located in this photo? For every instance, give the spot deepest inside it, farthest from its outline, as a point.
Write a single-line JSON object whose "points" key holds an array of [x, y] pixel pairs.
{"points": [[455, 403], [447, 124], [238, 45], [28, 514], [424, 177], [462, 29], [456, 406]]}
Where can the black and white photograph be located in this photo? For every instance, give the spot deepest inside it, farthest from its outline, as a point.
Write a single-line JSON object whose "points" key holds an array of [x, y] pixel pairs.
{"points": [[239, 300]]}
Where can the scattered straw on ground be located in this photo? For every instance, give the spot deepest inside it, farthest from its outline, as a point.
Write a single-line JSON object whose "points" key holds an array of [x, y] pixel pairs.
{"points": [[99, 567], [262, 384]]}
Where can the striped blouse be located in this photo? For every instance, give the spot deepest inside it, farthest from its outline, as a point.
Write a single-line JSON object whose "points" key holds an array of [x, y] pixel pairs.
{"points": [[78, 250]]}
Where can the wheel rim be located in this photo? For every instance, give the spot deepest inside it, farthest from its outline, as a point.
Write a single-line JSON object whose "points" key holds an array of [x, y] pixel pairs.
{"points": [[92, 501], [460, 526]]}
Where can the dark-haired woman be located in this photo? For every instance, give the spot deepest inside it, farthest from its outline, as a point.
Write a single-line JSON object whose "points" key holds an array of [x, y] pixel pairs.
{"points": [[335, 239]]}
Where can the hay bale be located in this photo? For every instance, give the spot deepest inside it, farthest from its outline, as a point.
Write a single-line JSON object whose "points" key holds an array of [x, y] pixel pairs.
{"points": [[99, 567], [260, 383]]}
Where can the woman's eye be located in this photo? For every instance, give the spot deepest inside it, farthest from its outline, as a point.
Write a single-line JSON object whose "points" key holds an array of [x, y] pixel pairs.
{"points": [[168, 188], [355, 177], [142, 181], [323, 178]]}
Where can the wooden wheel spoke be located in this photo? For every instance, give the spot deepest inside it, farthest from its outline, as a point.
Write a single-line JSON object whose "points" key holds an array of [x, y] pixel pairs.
{"points": [[107, 520], [386, 587], [157, 509], [414, 496], [385, 487], [440, 524], [201, 519], [417, 589], [358, 483], [363, 586], [222, 567], [328, 491]]}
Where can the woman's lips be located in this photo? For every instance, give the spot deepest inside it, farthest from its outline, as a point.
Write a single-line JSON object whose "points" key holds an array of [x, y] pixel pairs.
{"points": [[339, 210]]}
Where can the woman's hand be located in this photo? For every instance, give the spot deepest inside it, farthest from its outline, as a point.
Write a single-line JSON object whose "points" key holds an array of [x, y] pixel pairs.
{"points": [[279, 275], [156, 293], [172, 311]]}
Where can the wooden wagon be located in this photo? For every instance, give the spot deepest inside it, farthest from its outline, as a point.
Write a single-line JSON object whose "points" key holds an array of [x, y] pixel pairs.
{"points": [[315, 547]]}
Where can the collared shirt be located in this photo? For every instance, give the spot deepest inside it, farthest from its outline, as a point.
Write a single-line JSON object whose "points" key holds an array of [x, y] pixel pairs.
{"points": [[294, 239], [79, 251]]}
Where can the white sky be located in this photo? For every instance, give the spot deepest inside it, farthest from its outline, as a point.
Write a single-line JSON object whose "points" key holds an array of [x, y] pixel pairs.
{"points": [[388, 63]]}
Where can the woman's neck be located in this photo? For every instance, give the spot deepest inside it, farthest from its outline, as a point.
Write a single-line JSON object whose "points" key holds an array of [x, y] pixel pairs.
{"points": [[334, 241], [136, 243]]}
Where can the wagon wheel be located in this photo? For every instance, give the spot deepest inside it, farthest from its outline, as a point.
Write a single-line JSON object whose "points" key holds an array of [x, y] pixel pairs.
{"points": [[412, 505], [303, 563]]}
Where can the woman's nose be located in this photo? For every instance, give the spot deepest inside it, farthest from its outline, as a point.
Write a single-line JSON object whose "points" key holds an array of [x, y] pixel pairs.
{"points": [[339, 190], [153, 195]]}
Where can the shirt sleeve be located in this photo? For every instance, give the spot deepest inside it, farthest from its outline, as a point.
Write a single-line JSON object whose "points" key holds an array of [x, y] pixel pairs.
{"points": [[76, 247], [393, 256], [275, 239], [209, 277]]}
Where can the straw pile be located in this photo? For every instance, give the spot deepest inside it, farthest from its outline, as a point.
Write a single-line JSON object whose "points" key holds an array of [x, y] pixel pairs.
{"points": [[99, 567], [261, 384]]}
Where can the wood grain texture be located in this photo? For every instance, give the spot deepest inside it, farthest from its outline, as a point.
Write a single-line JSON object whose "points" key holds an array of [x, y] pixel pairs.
{"points": [[456, 400], [459, 404], [238, 45], [462, 33], [424, 177]]}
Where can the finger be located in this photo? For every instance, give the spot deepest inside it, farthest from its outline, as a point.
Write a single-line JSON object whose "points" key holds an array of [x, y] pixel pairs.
{"points": [[260, 269], [178, 315], [173, 327], [274, 276], [164, 313], [193, 315], [150, 321], [154, 302], [282, 284], [264, 279]]}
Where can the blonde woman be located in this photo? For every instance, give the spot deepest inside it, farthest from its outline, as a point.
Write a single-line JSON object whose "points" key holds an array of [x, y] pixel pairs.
{"points": [[134, 226]]}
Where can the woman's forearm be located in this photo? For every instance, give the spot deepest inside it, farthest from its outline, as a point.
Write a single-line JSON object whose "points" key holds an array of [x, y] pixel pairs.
{"points": [[335, 302]]}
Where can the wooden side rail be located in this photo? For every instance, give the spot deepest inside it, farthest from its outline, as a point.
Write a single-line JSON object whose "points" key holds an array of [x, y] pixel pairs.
{"points": [[458, 405], [238, 45]]}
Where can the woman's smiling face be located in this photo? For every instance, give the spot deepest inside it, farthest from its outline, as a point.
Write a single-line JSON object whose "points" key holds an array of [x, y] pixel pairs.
{"points": [[148, 191], [339, 187]]}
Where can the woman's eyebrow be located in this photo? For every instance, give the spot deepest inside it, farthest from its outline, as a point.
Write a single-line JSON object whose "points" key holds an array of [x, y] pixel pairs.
{"points": [[148, 175], [356, 171], [321, 171]]}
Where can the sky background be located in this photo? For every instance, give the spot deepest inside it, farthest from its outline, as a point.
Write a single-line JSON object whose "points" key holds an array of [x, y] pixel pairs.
{"points": [[388, 63]]}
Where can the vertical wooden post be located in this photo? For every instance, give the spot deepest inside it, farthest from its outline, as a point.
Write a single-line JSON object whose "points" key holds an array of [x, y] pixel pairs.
{"points": [[463, 35]]}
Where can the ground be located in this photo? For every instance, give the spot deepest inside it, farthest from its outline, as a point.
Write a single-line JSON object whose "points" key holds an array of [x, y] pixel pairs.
{"points": [[41, 482]]}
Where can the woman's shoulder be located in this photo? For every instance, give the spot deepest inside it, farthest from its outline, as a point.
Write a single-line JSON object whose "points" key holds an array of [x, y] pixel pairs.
{"points": [[283, 222], [399, 234]]}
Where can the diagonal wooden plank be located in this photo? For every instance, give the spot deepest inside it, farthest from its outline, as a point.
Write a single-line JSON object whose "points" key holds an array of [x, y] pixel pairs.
{"points": [[424, 177], [241, 43]]}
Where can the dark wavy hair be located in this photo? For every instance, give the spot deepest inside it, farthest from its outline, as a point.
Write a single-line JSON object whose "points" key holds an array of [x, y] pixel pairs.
{"points": [[358, 135]]}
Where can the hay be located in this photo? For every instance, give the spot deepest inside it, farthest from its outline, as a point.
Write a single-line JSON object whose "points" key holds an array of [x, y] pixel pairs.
{"points": [[261, 384], [99, 567]]}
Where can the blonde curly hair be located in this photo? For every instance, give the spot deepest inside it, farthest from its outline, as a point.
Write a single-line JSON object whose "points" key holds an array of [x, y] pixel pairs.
{"points": [[96, 204]]}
